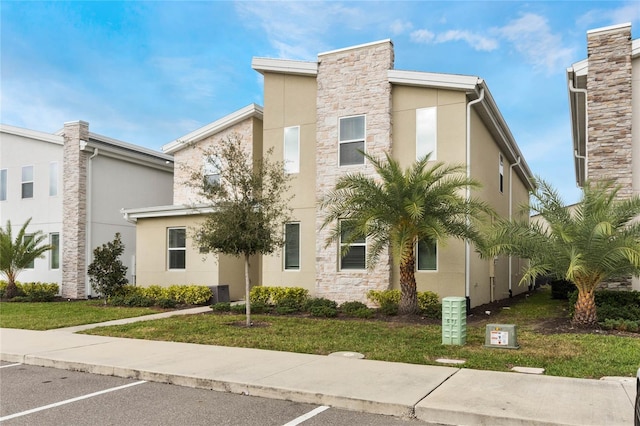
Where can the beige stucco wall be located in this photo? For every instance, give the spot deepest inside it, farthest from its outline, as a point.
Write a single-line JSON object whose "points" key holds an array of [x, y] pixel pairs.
{"points": [[290, 100]]}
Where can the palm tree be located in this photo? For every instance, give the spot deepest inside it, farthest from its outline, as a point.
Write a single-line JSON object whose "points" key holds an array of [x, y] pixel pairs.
{"points": [[598, 240], [16, 255], [400, 207]]}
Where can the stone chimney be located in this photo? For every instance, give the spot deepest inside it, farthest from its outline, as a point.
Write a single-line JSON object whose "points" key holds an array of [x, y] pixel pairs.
{"points": [[74, 210], [609, 107]]}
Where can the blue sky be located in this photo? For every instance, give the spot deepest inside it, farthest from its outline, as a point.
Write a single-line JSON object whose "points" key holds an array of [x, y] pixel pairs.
{"points": [[148, 72]]}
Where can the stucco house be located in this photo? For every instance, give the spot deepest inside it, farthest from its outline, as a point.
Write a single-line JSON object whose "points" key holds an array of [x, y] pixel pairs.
{"points": [[73, 184], [317, 115], [604, 100]]}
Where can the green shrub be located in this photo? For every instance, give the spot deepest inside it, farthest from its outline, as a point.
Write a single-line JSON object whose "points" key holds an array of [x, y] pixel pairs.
{"points": [[349, 308], [362, 313], [238, 309], [612, 304], [39, 292], [288, 306], [433, 311], [156, 292], [221, 307], [166, 303], [384, 297], [560, 289], [429, 304], [260, 294], [321, 307], [621, 324], [275, 296], [260, 308]]}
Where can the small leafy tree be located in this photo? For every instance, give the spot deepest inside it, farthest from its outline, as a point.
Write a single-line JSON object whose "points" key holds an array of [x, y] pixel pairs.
{"points": [[249, 204], [107, 274], [16, 254]]}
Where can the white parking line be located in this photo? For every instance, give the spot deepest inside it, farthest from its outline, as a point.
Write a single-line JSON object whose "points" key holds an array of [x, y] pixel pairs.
{"points": [[307, 416], [68, 401], [10, 365]]}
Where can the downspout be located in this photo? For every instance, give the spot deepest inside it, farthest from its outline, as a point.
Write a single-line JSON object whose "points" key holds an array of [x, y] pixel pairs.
{"points": [[467, 254], [517, 163], [573, 89], [89, 192]]}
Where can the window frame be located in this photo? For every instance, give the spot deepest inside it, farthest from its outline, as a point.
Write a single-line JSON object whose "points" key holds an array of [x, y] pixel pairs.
{"points": [[352, 244], [211, 170], [363, 140], [4, 183], [53, 178], [27, 182], [417, 251], [500, 173], [291, 159], [285, 251], [422, 152], [54, 253], [25, 238], [176, 249]]}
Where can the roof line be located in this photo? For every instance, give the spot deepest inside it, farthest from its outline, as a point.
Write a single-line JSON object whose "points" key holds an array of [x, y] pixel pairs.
{"points": [[33, 134]]}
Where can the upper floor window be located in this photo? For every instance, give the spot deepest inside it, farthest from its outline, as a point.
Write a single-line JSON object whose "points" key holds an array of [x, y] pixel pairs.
{"points": [[177, 247], [292, 149], [426, 133], [53, 178], [501, 173], [427, 256], [211, 170], [54, 253], [292, 246], [356, 256], [3, 184], [27, 182], [352, 137]]}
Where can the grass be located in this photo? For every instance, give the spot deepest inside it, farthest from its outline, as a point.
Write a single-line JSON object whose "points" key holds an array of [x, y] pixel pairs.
{"points": [[50, 315], [569, 355]]}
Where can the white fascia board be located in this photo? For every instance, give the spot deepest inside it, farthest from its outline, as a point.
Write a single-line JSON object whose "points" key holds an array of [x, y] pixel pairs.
{"points": [[129, 147], [436, 80], [32, 134], [132, 215], [635, 48], [359, 46], [252, 110], [579, 69], [284, 66]]}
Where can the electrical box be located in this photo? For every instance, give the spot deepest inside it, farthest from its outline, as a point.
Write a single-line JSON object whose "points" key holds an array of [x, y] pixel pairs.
{"points": [[219, 293], [501, 336], [454, 321]]}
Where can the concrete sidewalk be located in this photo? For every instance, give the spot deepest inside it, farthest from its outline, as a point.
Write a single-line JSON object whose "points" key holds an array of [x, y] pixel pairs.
{"points": [[439, 395]]}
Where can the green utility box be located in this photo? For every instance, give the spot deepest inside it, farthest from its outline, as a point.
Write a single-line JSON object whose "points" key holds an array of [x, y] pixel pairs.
{"points": [[454, 321], [501, 336]]}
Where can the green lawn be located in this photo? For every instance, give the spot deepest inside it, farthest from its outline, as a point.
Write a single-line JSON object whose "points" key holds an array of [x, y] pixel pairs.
{"points": [[49, 315], [571, 355]]}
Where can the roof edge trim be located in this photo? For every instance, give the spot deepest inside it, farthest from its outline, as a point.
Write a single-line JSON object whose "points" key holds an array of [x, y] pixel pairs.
{"points": [[284, 66]]}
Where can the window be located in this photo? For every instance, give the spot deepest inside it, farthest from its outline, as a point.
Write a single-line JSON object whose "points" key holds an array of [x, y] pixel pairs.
{"points": [[27, 182], [177, 248], [54, 253], [292, 149], [27, 239], [292, 246], [53, 178], [427, 256], [3, 184], [356, 257], [352, 137], [426, 134], [211, 170], [501, 172]]}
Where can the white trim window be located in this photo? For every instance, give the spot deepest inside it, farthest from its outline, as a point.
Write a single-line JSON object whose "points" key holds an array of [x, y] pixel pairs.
{"points": [[427, 256], [27, 239], [292, 149], [53, 178], [211, 170], [352, 136], [426, 133], [292, 246], [176, 248], [54, 253], [356, 256], [500, 173], [27, 181], [3, 184]]}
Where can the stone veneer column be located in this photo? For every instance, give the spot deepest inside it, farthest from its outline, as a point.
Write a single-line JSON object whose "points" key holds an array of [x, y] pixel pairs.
{"points": [[609, 106], [74, 211], [350, 82]]}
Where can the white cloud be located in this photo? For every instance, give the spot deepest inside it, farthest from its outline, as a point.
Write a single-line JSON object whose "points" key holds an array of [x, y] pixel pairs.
{"points": [[602, 17], [475, 41], [532, 37], [422, 36], [399, 26]]}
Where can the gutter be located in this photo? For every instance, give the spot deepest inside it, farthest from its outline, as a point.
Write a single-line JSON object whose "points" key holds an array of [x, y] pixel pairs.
{"points": [[511, 214], [573, 89]]}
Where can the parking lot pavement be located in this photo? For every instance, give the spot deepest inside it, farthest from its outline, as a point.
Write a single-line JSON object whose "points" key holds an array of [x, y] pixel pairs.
{"points": [[32, 395]]}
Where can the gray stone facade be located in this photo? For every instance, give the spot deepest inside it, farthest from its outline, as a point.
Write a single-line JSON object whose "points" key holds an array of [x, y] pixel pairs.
{"points": [[350, 82], [609, 107], [74, 211]]}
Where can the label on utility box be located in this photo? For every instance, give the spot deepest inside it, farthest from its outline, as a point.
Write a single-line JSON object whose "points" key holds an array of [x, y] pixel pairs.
{"points": [[499, 338]]}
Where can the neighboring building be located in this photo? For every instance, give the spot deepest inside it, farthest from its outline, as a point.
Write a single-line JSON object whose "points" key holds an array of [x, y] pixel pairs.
{"points": [[73, 185], [604, 100], [317, 115]]}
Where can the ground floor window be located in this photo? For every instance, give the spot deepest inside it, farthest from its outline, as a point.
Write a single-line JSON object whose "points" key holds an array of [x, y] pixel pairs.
{"points": [[292, 246], [177, 248], [54, 254], [356, 255], [427, 256]]}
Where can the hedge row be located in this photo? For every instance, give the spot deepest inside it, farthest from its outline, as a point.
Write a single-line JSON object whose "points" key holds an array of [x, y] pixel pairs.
{"points": [[32, 292], [166, 297]]}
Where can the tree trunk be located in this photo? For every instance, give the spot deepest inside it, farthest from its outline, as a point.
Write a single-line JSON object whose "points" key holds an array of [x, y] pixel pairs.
{"points": [[408, 293], [585, 310], [12, 289], [247, 289]]}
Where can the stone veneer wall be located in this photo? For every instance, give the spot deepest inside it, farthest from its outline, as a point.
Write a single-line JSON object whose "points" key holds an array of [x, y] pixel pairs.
{"points": [[609, 111], [609, 107], [74, 211], [350, 82], [192, 156]]}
